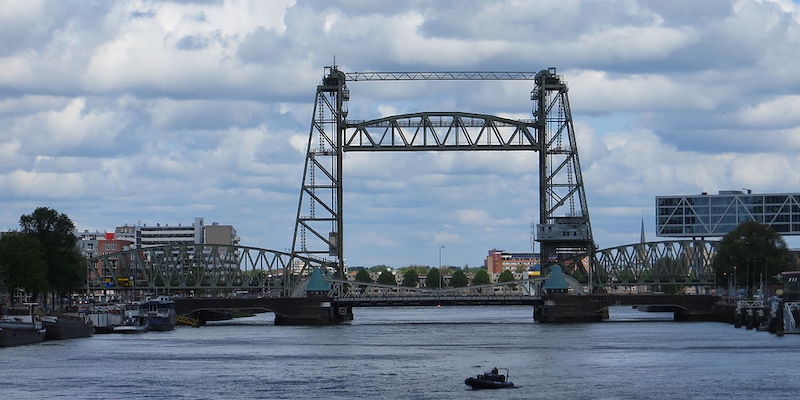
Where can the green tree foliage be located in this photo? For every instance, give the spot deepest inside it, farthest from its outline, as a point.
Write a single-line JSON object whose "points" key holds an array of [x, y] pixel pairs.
{"points": [[506, 276], [626, 276], [752, 249], [481, 278], [21, 263], [363, 276], [410, 278], [378, 268], [66, 268], [386, 278], [419, 269], [433, 279], [580, 275], [458, 279]]}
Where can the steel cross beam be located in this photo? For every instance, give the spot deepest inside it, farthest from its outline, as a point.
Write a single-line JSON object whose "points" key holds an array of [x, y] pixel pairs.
{"points": [[441, 76]]}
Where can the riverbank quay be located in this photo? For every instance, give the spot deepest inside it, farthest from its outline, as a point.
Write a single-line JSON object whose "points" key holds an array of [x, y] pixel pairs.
{"points": [[775, 315]]}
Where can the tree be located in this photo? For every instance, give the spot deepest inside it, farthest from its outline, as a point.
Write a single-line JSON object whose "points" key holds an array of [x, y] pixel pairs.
{"points": [[387, 278], [433, 279], [750, 251], [378, 268], [21, 263], [506, 276], [363, 276], [580, 275], [65, 267], [410, 278], [459, 279], [481, 278]]}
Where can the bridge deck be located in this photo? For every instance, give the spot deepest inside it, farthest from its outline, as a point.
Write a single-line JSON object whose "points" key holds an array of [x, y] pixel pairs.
{"points": [[188, 305], [405, 301]]}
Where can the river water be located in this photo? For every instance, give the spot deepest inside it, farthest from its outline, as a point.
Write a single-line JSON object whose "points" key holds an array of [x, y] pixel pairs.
{"points": [[413, 353]]}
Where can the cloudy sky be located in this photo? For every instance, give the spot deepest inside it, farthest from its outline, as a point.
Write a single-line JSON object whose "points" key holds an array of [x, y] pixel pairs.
{"points": [[157, 111]]}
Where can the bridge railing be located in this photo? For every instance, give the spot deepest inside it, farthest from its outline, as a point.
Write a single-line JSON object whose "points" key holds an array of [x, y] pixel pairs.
{"points": [[354, 289]]}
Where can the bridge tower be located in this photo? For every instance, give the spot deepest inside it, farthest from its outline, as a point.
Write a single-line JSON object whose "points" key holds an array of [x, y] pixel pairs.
{"points": [[319, 226], [564, 230]]}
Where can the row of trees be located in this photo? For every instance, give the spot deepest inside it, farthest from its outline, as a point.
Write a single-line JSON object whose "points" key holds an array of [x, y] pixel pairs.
{"points": [[433, 278], [43, 256], [750, 253]]}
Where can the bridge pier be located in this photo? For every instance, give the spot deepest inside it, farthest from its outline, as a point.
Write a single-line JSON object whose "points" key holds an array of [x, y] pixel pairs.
{"points": [[594, 308], [311, 311], [566, 308]]}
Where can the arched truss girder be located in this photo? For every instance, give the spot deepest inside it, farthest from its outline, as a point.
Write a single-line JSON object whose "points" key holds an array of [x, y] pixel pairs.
{"points": [[197, 267], [440, 131], [672, 262]]}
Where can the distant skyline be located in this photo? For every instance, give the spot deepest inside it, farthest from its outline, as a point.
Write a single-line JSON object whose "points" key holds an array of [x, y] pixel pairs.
{"points": [[163, 111]]}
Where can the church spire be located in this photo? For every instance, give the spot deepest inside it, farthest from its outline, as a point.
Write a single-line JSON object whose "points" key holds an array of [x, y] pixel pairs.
{"points": [[642, 238]]}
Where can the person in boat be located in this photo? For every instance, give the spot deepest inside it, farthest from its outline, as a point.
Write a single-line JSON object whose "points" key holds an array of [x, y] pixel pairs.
{"points": [[494, 371]]}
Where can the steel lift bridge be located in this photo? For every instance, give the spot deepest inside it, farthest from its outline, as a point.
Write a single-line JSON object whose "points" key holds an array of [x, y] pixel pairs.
{"points": [[564, 229]]}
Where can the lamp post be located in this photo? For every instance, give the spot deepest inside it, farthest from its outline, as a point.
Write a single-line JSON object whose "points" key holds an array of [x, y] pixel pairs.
{"points": [[745, 242], [440, 266]]}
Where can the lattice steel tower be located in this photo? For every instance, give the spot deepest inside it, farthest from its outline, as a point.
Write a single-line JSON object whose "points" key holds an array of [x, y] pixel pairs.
{"points": [[564, 230]]}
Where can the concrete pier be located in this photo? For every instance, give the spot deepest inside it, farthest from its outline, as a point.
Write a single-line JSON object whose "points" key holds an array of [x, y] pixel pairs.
{"points": [[311, 311], [594, 308]]}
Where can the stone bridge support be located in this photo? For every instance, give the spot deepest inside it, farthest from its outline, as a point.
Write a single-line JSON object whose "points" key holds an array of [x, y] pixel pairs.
{"points": [[594, 308]]}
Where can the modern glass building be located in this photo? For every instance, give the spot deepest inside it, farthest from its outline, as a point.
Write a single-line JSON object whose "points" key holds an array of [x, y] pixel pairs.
{"points": [[715, 215]]}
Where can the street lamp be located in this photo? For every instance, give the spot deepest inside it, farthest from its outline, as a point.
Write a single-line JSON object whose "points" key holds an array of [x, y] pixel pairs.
{"points": [[440, 266]]}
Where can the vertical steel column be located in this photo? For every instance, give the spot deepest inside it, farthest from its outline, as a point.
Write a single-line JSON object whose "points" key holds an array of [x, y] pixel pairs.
{"points": [[540, 115], [318, 234], [564, 229], [341, 115]]}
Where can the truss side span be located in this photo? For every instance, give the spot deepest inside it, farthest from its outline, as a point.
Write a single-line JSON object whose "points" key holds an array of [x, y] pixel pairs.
{"points": [[672, 262], [440, 131], [175, 268]]}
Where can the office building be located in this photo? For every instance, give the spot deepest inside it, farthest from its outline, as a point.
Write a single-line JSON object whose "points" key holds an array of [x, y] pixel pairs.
{"points": [[145, 236], [520, 264], [707, 215]]}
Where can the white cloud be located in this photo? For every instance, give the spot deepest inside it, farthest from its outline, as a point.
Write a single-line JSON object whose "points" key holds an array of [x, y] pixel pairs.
{"points": [[44, 185], [779, 112], [73, 129], [598, 91]]}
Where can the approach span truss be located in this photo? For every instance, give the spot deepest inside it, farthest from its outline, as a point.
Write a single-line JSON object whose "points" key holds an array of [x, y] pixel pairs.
{"points": [[200, 267]]}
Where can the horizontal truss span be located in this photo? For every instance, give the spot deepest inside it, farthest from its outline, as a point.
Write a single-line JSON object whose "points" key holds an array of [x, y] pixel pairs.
{"points": [[441, 76], [195, 267], [440, 131], [675, 262]]}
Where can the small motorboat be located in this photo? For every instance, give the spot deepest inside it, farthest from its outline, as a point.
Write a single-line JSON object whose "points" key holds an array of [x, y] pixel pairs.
{"points": [[490, 380]]}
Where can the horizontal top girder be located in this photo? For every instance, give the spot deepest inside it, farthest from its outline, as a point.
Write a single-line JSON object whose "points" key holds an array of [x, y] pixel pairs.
{"points": [[441, 76], [439, 119]]}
